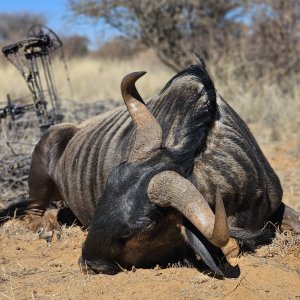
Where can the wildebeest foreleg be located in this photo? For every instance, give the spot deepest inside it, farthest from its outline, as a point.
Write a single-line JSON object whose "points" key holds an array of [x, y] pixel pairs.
{"points": [[42, 191]]}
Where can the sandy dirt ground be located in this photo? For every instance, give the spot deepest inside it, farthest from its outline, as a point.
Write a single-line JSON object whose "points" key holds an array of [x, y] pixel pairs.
{"points": [[32, 270], [29, 269]]}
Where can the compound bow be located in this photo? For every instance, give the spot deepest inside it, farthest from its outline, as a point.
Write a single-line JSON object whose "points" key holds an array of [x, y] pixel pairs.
{"points": [[32, 58]]}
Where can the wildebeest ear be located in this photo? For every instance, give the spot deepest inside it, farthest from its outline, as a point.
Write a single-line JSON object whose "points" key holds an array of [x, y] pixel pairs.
{"points": [[148, 137], [169, 189]]}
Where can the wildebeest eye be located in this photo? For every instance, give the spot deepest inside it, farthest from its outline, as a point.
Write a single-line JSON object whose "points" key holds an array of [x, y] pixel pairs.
{"points": [[124, 237]]}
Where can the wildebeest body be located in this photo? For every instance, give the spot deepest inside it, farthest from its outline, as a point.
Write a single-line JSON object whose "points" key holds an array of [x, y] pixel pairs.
{"points": [[91, 166], [231, 158]]}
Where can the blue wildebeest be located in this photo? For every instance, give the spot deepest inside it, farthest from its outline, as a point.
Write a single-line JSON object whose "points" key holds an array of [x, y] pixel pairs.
{"points": [[151, 181]]}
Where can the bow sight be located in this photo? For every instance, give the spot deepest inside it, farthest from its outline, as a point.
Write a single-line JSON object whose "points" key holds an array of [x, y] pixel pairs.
{"points": [[32, 58]]}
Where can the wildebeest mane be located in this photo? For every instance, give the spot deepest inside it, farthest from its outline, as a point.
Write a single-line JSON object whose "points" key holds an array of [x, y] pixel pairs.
{"points": [[179, 97], [199, 71]]}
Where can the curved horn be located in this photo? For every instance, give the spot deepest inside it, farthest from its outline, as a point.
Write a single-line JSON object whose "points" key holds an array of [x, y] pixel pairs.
{"points": [[148, 131], [169, 189]]}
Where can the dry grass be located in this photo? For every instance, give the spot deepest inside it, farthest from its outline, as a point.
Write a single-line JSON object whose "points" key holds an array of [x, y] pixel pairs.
{"points": [[274, 111], [93, 79], [264, 104], [286, 243]]}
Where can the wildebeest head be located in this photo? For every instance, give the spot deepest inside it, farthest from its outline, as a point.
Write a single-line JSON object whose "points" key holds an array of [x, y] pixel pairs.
{"points": [[140, 191]]}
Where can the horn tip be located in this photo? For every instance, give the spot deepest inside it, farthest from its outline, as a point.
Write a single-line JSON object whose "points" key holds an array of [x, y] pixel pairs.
{"points": [[221, 229], [131, 78], [138, 74]]}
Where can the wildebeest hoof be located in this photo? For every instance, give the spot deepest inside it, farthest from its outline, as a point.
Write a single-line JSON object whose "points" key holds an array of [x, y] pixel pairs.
{"points": [[290, 220], [46, 226]]}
